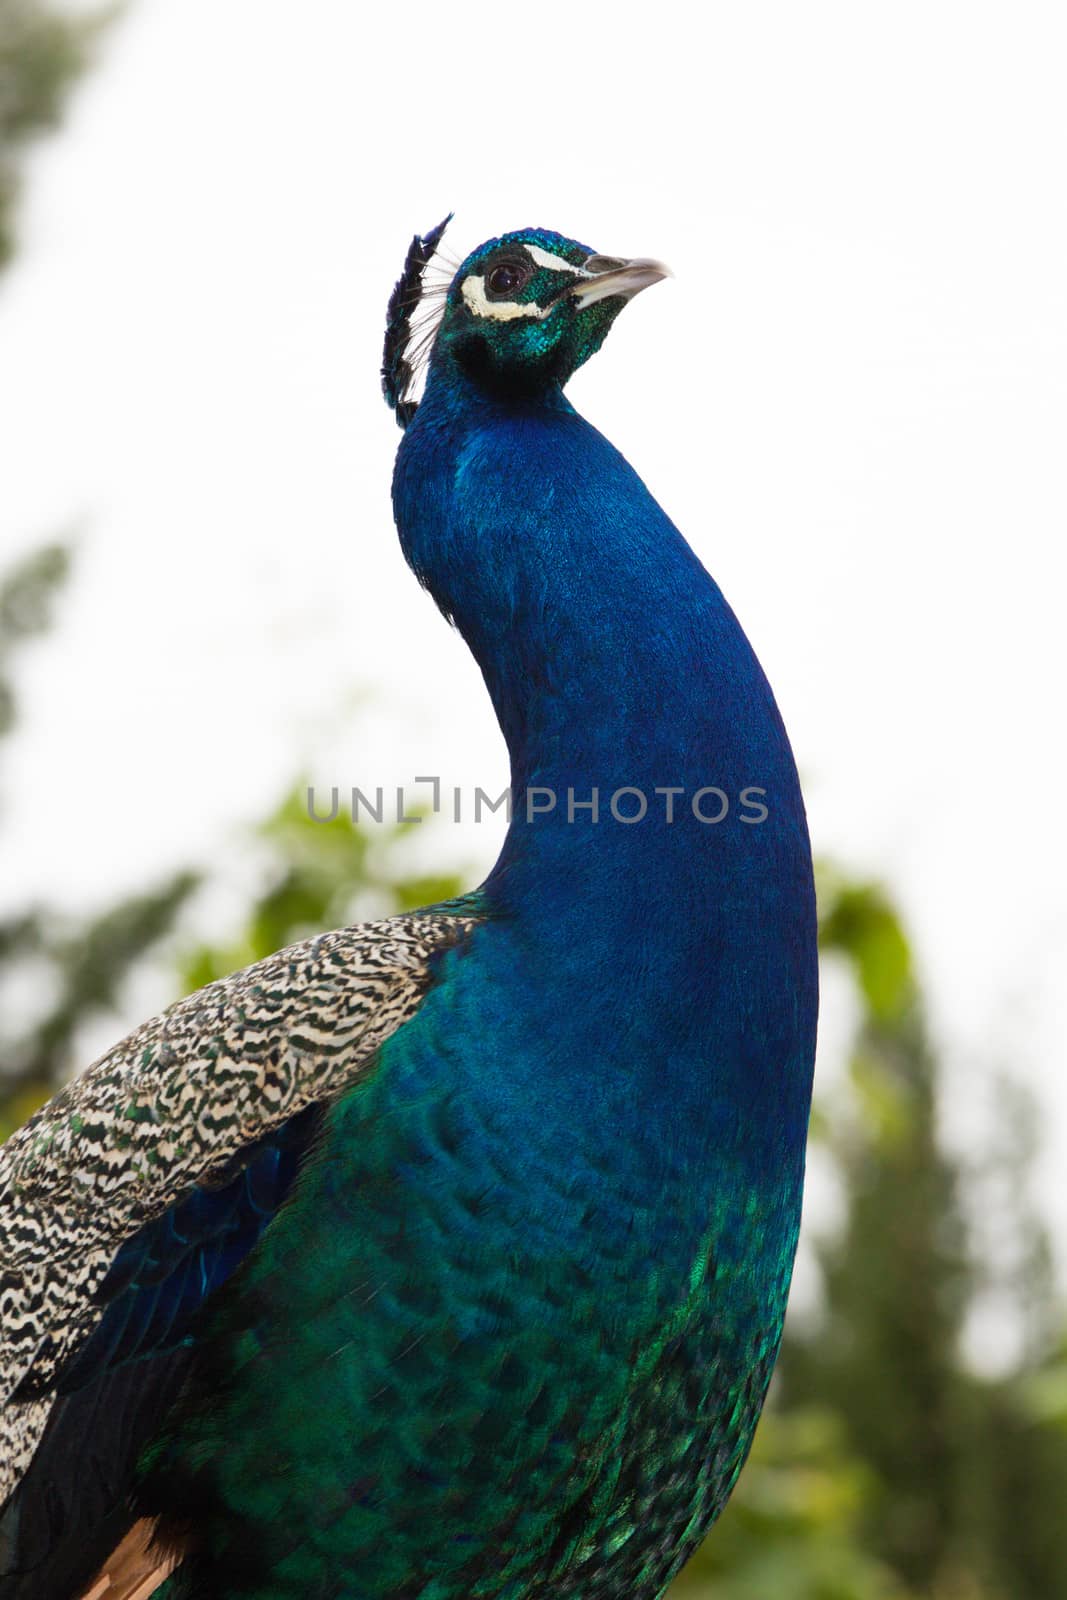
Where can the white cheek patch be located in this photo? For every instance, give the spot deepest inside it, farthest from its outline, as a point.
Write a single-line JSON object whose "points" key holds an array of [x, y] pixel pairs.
{"points": [[500, 310]]}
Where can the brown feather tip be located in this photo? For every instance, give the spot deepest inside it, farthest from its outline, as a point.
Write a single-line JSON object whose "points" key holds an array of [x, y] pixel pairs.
{"points": [[136, 1567]]}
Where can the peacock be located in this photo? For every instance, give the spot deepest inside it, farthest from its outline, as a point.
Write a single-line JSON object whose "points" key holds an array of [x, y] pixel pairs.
{"points": [[446, 1256]]}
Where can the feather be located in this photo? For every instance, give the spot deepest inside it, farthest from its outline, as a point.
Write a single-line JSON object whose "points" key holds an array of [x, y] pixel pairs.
{"points": [[136, 1567], [407, 342]]}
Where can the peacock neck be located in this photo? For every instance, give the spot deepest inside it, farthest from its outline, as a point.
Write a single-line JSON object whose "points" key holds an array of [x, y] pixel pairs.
{"points": [[634, 711], [612, 659]]}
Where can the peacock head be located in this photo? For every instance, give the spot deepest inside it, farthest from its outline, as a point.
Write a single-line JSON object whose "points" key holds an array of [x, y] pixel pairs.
{"points": [[524, 311]]}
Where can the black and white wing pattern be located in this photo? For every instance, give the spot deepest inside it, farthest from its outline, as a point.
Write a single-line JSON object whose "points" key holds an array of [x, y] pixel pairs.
{"points": [[155, 1170]]}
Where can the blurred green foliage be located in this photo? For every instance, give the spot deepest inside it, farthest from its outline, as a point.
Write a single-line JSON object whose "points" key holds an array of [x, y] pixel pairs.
{"points": [[65, 969], [59, 970], [27, 593], [43, 51], [316, 875]]}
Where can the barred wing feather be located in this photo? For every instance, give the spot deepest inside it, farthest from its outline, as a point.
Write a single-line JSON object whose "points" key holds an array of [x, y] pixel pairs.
{"points": [[173, 1109]]}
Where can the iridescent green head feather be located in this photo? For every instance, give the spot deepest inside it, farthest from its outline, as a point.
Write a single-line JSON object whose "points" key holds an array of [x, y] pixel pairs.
{"points": [[525, 310]]}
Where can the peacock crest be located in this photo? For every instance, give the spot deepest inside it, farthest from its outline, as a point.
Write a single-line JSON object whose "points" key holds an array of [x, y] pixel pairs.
{"points": [[412, 319]]}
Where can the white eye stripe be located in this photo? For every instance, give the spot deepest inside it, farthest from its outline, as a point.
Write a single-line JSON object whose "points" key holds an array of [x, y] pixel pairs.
{"points": [[545, 258], [502, 310]]}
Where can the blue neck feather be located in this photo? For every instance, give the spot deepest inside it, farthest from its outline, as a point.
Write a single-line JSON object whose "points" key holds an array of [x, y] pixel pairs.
{"points": [[614, 662]]}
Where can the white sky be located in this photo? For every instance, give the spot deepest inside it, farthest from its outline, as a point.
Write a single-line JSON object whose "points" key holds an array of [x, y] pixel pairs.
{"points": [[852, 399]]}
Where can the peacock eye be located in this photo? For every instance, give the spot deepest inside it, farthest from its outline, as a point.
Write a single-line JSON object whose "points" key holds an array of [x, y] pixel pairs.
{"points": [[506, 278]]}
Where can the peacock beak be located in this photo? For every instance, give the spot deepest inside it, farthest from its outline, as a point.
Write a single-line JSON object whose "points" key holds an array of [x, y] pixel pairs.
{"points": [[611, 276]]}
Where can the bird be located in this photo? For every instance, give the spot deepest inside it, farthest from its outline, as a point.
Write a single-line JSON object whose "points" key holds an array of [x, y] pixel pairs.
{"points": [[447, 1255]]}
